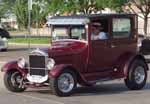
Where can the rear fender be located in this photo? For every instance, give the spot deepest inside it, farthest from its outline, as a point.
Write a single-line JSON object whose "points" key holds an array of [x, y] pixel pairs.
{"points": [[12, 66], [126, 60], [128, 63]]}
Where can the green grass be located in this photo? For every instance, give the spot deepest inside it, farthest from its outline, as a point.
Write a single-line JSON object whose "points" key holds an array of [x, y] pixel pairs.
{"points": [[32, 40]]}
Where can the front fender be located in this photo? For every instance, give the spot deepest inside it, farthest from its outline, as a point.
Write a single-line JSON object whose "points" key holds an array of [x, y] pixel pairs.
{"points": [[12, 66], [58, 69]]}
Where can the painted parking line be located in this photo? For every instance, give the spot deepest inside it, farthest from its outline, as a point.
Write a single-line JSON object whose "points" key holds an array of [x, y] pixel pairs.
{"points": [[2, 62], [40, 99]]}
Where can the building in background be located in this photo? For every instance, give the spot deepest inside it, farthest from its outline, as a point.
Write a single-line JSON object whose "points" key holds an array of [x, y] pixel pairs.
{"points": [[10, 21], [140, 20]]}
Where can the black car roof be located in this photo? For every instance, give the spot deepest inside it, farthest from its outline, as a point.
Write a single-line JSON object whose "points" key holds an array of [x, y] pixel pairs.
{"points": [[91, 16]]}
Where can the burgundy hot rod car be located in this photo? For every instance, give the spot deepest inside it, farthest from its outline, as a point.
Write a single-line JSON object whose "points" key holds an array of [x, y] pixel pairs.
{"points": [[75, 58]]}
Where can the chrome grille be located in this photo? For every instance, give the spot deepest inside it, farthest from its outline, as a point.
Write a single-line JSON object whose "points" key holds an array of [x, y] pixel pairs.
{"points": [[37, 65], [40, 72]]}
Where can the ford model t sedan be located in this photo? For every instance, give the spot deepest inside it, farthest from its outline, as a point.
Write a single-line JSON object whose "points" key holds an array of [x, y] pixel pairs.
{"points": [[85, 49]]}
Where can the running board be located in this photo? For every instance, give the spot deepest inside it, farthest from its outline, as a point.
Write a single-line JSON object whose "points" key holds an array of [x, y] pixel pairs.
{"points": [[103, 80]]}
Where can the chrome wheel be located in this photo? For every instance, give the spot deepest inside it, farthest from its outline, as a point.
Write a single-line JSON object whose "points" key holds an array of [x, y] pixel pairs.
{"points": [[14, 81], [139, 74], [66, 82], [17, 80]]}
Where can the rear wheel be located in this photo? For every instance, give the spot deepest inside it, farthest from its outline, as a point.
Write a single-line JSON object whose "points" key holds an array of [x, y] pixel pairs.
{"points": [[13, 81], [64, 84], [137, 75]]}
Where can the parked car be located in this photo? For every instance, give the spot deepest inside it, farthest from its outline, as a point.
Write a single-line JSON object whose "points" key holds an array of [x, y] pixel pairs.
{"points": [[3, 44], [75, 58], [4, 35]]}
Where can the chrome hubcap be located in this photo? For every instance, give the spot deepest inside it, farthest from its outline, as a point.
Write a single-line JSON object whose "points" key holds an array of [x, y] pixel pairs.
{"points": [[17, 80], [139, 75], [65, 82]]}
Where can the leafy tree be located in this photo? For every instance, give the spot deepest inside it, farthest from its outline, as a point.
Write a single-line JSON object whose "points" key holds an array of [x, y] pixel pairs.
{"points": [[144, 7], [3, 10], [84, 6], [117, 5], [9, 3], [20, 9], [39, 11]]}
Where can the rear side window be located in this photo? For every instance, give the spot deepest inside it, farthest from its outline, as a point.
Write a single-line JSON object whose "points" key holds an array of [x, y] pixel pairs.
{"points": [[121, 28]]}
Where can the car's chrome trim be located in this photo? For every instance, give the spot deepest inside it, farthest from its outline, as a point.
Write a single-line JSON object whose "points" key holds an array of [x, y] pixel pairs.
{"points": [[38, 52], [37, 78]]}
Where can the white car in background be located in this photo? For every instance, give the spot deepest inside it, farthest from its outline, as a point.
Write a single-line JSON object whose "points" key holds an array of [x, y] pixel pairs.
{"points": [[4, 35], [3, 44]]}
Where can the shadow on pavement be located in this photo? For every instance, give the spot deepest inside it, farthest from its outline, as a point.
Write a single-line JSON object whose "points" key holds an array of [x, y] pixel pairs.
{"points": [[104, 89]]}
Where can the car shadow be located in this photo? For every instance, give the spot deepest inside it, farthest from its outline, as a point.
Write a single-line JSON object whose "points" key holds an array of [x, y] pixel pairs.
{"points": [[106, 89], [102, 89]]}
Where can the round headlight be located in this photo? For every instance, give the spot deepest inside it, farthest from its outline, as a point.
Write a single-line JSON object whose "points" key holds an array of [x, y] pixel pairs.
{"points": [[50, 63], [21, 62]]}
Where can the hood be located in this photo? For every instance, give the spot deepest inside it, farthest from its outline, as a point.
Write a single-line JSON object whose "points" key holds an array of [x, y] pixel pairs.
{"points": [[66, 47]]}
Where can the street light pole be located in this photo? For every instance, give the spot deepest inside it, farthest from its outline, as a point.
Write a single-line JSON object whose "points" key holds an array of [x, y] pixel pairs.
{"points": [[29, 22]]}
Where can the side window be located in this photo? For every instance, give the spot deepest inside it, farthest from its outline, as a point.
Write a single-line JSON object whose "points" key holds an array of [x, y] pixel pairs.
{"points": [[78, 33], [100, 29], [121, 28]]}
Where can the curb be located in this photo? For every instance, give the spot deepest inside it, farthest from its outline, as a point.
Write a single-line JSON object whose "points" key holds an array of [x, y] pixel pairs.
{"points": [[25, 44]]}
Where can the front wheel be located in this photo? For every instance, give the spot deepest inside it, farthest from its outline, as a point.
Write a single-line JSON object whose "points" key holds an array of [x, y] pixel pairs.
{"points": [[64, 84], [13, 81], [137, 75]]}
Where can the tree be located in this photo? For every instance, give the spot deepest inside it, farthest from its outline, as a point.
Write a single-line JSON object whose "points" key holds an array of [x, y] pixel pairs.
{"points": [[84, 6], [9, 4], [3, 10], [144, 7], [39, 12], [117, 5], [20, 9]]}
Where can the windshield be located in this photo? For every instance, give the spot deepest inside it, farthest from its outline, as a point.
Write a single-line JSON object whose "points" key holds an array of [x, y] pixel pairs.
{"points": [[69, 32]]}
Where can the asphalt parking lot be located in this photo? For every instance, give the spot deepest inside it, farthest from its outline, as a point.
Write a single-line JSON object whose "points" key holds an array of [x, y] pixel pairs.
{"points": [[113, 92]]}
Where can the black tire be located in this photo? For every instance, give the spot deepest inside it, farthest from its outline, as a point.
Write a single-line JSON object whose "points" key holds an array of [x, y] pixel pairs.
{"points": [[54, 84], [8, 83], [130, 81]]}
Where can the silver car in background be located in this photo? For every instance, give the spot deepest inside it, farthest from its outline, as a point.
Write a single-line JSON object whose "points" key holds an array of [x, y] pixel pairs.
{"points": [[4, 35], [3, 44]]}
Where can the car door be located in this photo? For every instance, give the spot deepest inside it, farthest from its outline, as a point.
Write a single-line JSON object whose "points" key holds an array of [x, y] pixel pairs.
{"points": [[100, 56], [123, 40]]}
